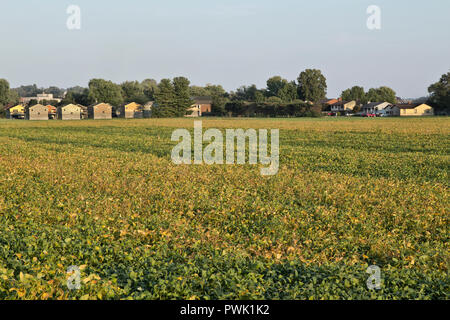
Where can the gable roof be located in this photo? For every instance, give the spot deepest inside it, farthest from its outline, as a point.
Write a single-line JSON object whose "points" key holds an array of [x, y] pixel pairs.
{"points": [[410, 105], [202, 100], [341, 103], [37, 106], [374, 104], [14, 106]]}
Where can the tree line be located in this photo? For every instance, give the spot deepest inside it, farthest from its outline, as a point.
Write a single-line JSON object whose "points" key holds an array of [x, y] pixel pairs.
{"points": [[172, 97]]}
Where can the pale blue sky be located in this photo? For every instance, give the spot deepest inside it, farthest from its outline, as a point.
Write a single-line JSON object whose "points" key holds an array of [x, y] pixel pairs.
{"points": [[228, 42]]}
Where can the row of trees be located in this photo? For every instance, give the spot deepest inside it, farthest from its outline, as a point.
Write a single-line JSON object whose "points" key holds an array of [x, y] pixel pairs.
{"points": [[311, 86], [382, 94], [173, 97]]}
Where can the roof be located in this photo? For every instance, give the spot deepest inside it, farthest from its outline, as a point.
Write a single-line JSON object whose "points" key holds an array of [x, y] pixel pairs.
{"points": [[97, 104], [329, 101], [202, 100], [71, 104], [339, 103], [13, 106], [132, 104], [37, 106], [410, 105], [373, 104]]}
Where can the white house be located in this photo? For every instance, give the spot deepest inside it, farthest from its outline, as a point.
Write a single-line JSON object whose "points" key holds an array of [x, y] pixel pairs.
{"points": [[378, 108]]}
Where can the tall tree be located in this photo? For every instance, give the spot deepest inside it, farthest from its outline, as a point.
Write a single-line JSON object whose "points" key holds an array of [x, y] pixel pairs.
{"points": [[150, 87], [133, 91], [382, 94], [312, 85], [105, 91], [440, 93], [289, 92], [274, 85], [355, 93], [4, 92], [165, 100], [182, 95]]}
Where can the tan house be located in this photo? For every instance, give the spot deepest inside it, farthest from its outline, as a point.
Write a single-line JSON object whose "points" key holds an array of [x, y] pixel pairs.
{"points": [[410, 110], [130, 111], [36, 112], [69, 112], [100, 111], [201, 106], [343, 106]]}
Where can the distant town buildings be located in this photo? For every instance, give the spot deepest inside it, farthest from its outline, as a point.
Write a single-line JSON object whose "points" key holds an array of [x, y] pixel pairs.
{"points": [[40, 97]]}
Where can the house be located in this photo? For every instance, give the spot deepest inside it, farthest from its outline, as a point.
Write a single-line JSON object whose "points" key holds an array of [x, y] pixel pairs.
{"points": [[375, 108], [130, 111], [201, 106], [69, 112], [343, 106], [15, 112], [147, 109], [410, 109], [36, 112], [100, 111], [51, 111]]}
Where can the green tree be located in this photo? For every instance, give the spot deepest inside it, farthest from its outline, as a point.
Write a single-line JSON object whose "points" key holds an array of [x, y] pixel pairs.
{"points": [[150, 87], [289, 92], [312, 85], [382, 94], [355, 93], [274, 85], [182, 95], [4, 92], [13, 97], [440, 94], [165, 100], [133, 91], [105, 91], [281, 88], [197, 91]]}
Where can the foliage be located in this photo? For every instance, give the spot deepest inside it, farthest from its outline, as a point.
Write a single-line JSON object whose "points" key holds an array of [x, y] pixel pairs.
{"points": [[133, 91], [165, 100], [28, 91], [273, 107], [312, 85], [382, 94], [77, 95], [440, 94], [105, 196], [281, 88], [355, 93], [105, 91], [150, 87], [182, 96]]}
